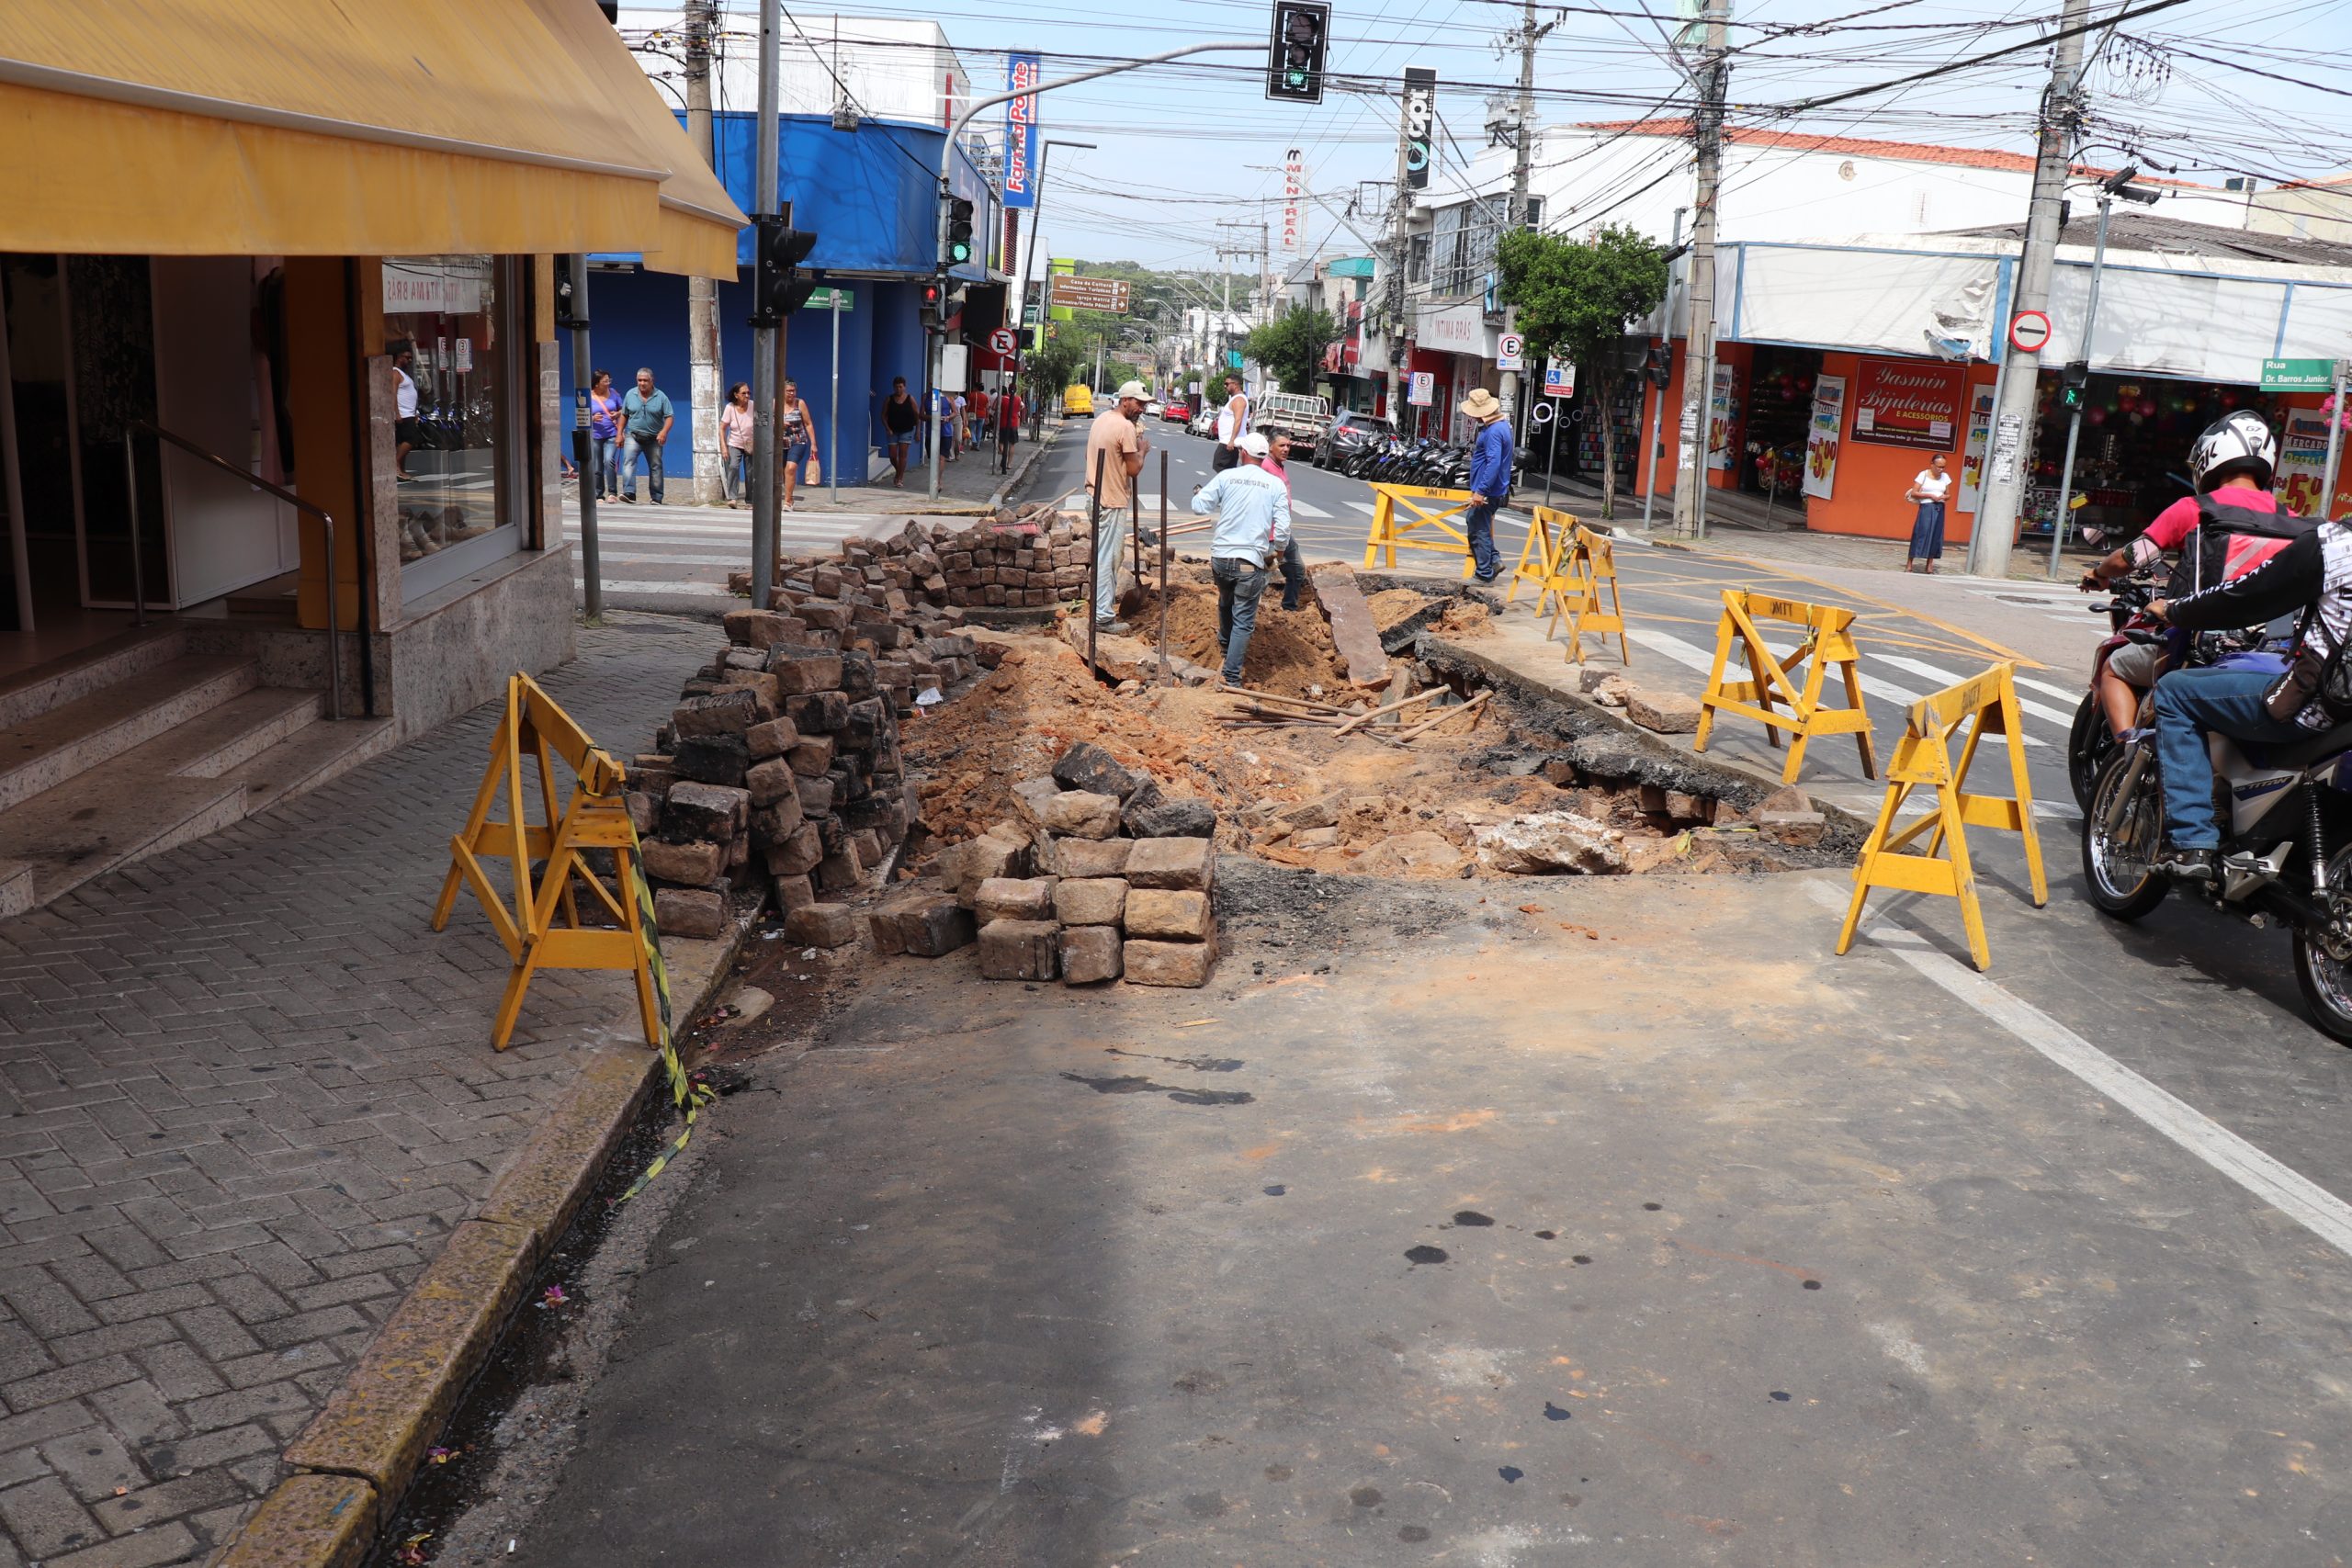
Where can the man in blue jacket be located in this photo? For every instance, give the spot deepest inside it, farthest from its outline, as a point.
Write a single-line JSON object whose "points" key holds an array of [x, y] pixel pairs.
{"points": [[1491, 470]]}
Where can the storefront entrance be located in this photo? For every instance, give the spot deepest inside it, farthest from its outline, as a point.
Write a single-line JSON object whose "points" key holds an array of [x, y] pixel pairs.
{"points": [[90, 348], [2131, 459], [1777, 415]]}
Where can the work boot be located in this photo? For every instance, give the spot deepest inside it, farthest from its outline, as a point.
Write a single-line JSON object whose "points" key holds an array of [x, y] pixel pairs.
{"points": [[2189, 864], [1112, 628]]}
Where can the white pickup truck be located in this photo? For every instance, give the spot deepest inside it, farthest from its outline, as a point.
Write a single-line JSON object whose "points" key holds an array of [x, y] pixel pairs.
{"points": [[1304, 419]]}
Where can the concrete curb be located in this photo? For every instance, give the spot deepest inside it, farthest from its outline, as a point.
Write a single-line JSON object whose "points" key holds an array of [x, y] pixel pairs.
{"points": [[1037, 449], [1735, 779], [353, 1464]]}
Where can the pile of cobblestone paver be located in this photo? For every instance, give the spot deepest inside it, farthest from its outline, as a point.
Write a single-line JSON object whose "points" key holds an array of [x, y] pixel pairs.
{"points": [[781, 760], [1103, 877], [1029, 558]]}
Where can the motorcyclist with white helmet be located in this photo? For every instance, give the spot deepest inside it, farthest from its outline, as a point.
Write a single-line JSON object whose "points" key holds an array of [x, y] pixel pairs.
{"points": [[2230, 526], [2311, 570]]}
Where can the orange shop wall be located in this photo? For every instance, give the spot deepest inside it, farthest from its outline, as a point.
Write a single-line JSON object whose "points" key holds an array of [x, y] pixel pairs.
{"points": [[1668, 451], [1866, 497]]}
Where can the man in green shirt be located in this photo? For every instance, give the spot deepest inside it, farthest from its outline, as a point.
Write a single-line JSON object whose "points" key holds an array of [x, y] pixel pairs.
{"points": [[646, 417]]}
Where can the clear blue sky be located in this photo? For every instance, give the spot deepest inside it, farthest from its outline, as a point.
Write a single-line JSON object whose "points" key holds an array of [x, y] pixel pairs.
{"points": [[1186, 145]]}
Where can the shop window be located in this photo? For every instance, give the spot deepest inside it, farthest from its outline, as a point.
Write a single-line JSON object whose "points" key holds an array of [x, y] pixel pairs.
{"points": [[454, 328]]}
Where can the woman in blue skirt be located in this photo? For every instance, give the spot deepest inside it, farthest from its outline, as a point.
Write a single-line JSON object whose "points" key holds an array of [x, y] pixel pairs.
{"points": [[1928, 492]]}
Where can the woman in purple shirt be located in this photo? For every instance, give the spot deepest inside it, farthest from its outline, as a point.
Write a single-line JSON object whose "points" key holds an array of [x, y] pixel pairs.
{"points": [[604, 433]]}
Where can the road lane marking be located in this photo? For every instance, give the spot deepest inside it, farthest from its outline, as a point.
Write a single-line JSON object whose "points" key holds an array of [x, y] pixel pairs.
{"points": [[689, 590], [2301, 1200], [2047, 689], [1985, 643], [633, 558], [2062, 719]]}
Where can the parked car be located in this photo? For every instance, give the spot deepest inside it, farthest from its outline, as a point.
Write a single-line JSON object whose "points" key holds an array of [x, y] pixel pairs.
{"points": [[1152, 408], [1204, 422], [1304, 419], [1078, 402], [1351, 432], [1177, 409]]}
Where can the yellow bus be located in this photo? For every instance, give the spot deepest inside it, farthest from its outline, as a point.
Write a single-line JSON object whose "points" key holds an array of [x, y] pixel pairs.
{"points": [[1078, 402]]}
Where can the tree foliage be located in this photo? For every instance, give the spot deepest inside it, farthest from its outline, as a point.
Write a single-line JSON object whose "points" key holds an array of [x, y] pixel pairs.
{"points": [[1575, 299], [1291, 345]]}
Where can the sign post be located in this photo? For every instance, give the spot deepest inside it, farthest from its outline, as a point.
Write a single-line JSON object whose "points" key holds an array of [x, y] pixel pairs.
{"points": [[1510, 352], [834, 306]]}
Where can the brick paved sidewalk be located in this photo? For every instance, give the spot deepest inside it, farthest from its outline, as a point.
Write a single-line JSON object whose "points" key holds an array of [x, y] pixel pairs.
{"points": [[244, 1092]]}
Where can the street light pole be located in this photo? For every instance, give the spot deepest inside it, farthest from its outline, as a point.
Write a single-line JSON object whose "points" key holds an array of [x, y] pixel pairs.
{"points": [[2074, 421], [947, 165], [765, 475]]}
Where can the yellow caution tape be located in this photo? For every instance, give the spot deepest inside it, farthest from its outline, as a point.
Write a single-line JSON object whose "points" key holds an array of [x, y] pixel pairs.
{"points": [[687, 1095]]}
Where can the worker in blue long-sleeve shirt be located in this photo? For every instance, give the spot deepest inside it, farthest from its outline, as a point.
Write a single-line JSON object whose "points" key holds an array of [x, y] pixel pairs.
{"points": [[1252, 510], [1492, 454]]}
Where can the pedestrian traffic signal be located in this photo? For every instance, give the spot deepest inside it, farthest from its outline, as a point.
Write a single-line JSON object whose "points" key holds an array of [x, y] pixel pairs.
{"points": [[959, 230], [2073, 381], [934, 320], [1295, 58], [567, 306], [778, 286]]}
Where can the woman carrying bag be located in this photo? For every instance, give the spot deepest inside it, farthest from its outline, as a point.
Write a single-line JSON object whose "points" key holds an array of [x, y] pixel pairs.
{"points": [[1928, 492]]}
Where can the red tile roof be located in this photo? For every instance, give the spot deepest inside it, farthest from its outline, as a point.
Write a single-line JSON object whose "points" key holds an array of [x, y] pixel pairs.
{"points": [[1909, 151]]}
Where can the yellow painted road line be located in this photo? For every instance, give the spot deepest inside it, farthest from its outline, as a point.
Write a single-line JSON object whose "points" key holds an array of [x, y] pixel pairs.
{"points": [[1984, 644]]}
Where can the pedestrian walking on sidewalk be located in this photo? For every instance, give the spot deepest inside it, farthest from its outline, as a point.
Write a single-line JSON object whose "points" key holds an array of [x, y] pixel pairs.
{"points": [[1277, 463], [1232, 425], [799, 422], [1928, 491], [604, 433], [1252, 510], [1116, 443], [899, 417], [1491, 452], [1008, 429], [736, 423], [405, 432], [646, 417]]}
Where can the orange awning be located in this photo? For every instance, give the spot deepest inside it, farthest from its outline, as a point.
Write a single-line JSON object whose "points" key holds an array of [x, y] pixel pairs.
{"points": [[391, 127]]}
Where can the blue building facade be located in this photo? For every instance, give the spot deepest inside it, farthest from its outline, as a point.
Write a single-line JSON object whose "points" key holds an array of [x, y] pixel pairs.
{"points": [[870, 195]]}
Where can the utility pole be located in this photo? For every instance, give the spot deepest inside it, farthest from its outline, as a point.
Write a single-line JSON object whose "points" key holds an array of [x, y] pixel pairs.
{"points": [[1529, 36], [702, 293], [1990, 541], [765, 474], [1698, 330]]}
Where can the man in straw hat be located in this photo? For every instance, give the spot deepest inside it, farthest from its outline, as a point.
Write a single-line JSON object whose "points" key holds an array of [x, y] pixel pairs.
{"points": [[1490, 470], [1116, 445]]}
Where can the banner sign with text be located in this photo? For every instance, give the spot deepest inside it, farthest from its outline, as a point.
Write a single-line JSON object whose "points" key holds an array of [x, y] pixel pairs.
{"points": [[1420, 125], [1906, 403], [1021, 75], [1821, 434]]}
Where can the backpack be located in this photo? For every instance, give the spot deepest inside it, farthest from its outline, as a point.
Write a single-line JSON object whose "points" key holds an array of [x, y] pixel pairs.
{"points": [[2206, 560]]}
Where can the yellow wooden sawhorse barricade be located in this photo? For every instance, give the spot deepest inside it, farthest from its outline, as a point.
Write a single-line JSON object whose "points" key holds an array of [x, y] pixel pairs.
{"points": [[1828, 640], [1551, 533], [1988, 703], [596, 818], [1588, 571], [1401, 520]]}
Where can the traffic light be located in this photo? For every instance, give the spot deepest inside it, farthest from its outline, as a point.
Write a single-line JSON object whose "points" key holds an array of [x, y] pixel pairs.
{"points": [[959, 230], [1294, 56], [778, 286], [951, 303], [567, 308], [934, 318], [2073, 379]]}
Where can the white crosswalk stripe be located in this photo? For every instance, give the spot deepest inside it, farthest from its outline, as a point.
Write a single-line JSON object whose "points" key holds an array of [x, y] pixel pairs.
{"points": [[1692, 657], [683, 589], [2059, 717]]}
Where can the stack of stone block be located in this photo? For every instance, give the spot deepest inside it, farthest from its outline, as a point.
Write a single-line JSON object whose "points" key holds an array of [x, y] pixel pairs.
{"points": [[1106, 878], [781, 761], [1030, 558]]}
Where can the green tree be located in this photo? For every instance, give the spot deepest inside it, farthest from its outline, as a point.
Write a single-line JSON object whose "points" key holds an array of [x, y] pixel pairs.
{"points": [[1291, 345], [1575, 299]]}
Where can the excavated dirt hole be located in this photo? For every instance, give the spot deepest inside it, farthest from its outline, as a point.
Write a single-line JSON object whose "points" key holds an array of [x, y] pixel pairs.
{"points": [[1500, 797]]}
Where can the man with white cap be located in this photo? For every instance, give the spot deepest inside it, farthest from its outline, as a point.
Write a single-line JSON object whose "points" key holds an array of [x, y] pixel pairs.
{"points": [[1252, 510], [1490, 470], [1116, 445]]}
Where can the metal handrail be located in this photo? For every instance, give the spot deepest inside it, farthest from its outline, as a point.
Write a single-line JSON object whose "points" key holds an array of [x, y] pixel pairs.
{"points": [[138, 565]]}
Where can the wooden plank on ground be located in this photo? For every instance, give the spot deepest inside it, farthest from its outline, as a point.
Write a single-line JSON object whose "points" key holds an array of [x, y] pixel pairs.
{"points": [[1352, 632]]}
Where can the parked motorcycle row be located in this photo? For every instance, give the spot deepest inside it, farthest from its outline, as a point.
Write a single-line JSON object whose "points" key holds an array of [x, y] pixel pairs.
{"points": [[1396, 460]]}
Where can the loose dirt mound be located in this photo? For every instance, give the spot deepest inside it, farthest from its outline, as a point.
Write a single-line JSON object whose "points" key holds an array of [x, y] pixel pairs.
{"points": [[1290, 653], [1392, 606], [1466, 618]]}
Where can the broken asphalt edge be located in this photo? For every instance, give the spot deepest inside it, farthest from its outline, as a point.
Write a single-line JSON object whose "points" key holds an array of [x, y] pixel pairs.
{"points": [[1726, 778], [354, 1462], [1036, 449]]}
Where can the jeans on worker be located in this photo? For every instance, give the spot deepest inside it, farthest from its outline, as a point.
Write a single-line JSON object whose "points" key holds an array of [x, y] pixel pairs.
{"points": [[1109, 551], [2189, 704], [604, 452], [1294, 574], [1240, 584], [1479, 524], [631, 447]]}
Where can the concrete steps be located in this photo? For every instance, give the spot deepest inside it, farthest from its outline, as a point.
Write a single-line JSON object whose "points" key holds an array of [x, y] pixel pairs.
{"points": [[144, 748]]}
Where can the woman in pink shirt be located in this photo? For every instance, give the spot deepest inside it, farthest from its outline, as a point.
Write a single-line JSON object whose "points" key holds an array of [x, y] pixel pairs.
{"points": [[735, 423]]}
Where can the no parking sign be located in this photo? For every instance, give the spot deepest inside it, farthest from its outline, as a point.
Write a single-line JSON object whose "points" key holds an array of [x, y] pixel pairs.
{"points": [[1510, 352]]}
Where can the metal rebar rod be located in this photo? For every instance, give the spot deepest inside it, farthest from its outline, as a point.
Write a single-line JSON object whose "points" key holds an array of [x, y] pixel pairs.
{"points": [[1094, 562]]}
